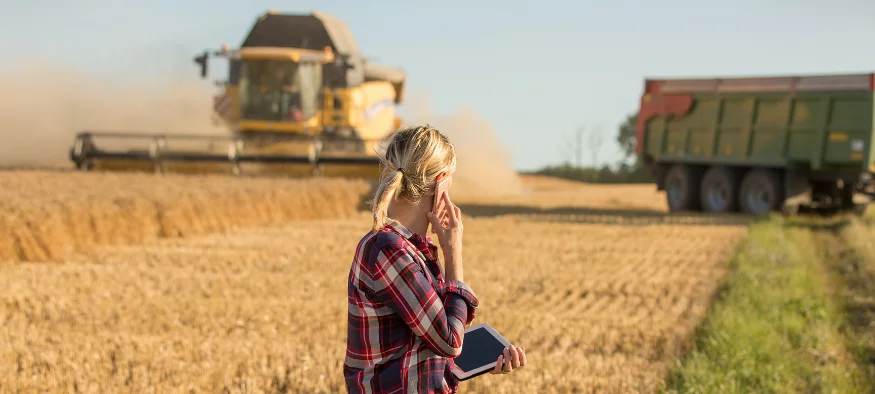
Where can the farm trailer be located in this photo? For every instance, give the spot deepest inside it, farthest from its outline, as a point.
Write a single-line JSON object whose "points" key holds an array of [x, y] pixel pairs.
{"points": [[758, 145]]}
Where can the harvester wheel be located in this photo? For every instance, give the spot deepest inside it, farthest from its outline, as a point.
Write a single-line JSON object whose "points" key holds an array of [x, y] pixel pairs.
{"points": [[682, 188], [761, 192], [159, 168], [719, 190], [85, 165]]}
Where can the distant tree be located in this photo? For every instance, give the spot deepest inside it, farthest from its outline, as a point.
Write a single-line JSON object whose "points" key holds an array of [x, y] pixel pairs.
{"points": [[626, 136]]}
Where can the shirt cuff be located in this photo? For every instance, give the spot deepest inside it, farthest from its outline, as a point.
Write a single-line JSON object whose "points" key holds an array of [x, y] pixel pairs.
{"points": [[463, 290]]}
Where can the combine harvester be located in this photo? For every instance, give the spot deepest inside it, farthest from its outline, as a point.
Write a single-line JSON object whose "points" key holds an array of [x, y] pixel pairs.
{"points": [[758, 145], [299, 100]]}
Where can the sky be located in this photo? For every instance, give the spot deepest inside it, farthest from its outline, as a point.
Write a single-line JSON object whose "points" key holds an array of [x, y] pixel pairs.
{"points": [[538, 71]]}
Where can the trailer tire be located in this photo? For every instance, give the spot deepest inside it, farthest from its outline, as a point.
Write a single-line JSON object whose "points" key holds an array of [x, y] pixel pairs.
{"points": [[681, 188], [860, 209], [760, 192], [846, 195], [719, 190]]}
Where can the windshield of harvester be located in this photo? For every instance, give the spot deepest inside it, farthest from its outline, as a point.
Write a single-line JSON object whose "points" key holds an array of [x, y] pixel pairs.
{"points": [[279, 90]]}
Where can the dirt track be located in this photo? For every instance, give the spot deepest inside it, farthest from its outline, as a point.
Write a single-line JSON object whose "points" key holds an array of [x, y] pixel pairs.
{"points": [[596, 282]]}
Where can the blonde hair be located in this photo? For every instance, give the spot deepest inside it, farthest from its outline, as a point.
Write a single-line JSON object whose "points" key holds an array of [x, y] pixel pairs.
{"points": [[414, 158]]}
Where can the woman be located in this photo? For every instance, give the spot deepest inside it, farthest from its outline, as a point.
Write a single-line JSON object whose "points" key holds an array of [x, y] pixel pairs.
{"points": [[407, 313]]}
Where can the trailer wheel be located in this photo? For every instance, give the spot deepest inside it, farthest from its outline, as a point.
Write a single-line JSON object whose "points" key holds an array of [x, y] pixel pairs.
{"points": [[760, 192], [860, 209], [719, 190], [681, 188], [846, 195]]}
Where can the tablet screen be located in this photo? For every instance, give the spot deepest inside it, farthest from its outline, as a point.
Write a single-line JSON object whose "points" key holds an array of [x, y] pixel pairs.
{"points": [[479, 348]]}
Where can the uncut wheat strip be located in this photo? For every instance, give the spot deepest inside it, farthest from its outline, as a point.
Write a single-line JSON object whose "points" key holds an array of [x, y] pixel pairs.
{"points": [[51, 216]]}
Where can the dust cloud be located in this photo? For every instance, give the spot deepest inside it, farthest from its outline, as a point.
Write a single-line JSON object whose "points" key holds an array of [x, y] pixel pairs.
{"points": [[484, 166], [47, 105]]}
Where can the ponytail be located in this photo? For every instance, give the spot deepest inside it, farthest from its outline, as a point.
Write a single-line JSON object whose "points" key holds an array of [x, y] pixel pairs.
{"points": [[414, 157], [386, 192]]}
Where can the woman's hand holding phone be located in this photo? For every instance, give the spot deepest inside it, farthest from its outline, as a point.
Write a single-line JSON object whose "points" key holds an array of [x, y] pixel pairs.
{"points": [[449, 233], [442, 213], [438, 204]]}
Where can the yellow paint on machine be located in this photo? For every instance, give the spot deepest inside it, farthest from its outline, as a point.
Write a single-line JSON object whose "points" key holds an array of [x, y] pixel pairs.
{"points": [[296, 55], [294, 80]]}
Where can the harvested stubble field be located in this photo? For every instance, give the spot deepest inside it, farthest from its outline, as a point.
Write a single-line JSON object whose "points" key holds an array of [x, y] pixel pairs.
{"points": [[601, 295]]}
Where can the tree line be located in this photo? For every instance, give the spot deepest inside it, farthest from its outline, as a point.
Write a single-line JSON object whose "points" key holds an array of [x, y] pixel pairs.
{"points": [[627, 170]]}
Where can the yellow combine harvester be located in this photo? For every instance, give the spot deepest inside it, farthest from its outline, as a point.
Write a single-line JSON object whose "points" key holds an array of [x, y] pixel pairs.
{"points": [[299, 99]]}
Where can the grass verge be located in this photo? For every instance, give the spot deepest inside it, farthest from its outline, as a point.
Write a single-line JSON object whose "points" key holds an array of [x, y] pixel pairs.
{"points": [[774, 326]]}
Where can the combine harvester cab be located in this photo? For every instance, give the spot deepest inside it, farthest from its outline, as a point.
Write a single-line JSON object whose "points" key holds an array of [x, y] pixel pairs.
{"points": [[758, 145], [299, 99]]}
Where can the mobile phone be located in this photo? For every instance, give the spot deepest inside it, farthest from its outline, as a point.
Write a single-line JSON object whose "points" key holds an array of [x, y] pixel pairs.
{"points": [[439, 189]]}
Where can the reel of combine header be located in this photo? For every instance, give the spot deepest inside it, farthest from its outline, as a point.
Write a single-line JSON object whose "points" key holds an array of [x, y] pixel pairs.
{"points": [[162, 151]]}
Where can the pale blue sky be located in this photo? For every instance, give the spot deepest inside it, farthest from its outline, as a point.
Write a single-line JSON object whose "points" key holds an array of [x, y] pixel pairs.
{"points": [[536, 70]]}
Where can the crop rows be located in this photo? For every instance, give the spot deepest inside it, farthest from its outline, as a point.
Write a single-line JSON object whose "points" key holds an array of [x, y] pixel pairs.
{"points": [[602, 302]]}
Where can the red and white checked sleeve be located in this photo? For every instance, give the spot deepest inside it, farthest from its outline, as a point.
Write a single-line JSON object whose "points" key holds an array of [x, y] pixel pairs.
{"points": [[404, 287]]}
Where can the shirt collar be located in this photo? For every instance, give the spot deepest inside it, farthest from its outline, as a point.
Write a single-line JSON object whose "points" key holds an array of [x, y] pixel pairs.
{"points": [[424, 244]]}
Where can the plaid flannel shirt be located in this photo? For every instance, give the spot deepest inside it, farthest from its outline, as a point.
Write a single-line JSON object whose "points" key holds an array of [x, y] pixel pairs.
{"points": [[405, 322]]}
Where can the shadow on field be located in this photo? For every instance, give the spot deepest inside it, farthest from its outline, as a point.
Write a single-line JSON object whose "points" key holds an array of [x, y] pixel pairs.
{"points": [[622, 217], [818, 224]]}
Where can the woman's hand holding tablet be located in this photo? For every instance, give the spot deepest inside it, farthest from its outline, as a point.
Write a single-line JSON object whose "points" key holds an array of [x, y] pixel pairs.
{"points": [[485, 350]]}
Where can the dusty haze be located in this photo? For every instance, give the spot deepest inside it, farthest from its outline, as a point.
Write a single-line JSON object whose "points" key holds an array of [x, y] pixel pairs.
{"points": [[49, 104], [484, 162]]}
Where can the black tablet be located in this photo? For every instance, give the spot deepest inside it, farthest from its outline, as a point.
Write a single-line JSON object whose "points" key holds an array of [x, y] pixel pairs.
{"points": [[481, 346]]}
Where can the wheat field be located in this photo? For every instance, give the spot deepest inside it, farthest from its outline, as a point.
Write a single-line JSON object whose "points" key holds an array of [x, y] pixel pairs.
{"points": [[50, 215], [600, 286]]}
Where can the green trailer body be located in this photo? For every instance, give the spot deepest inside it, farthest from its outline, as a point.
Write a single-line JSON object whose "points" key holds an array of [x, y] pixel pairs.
{"points": [[806, 140]]}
